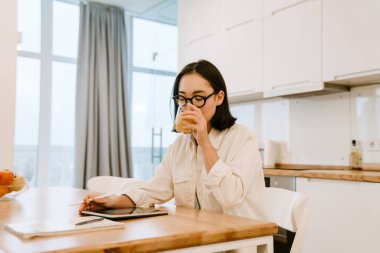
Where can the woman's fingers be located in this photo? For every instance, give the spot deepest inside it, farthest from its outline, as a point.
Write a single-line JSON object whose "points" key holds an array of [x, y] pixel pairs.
{"points": [[84, 205], [92, 203], [193, 115], [81, 208]]}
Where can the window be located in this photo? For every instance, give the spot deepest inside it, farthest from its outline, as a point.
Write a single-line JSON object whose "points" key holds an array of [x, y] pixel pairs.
{"points": [[154, 70], [45, 102], [27, 115], [154, 45], [29, 24]]}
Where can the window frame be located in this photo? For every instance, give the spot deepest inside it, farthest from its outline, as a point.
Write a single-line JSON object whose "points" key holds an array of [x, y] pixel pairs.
{"points": [[46, 58], [134, 69]]}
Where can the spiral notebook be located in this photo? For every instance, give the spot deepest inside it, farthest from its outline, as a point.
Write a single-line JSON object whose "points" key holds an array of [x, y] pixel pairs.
{"points": [[26, 230]]}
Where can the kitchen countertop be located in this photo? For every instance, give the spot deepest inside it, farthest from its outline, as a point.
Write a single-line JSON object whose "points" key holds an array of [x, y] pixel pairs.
{"points": [[338, 174]]}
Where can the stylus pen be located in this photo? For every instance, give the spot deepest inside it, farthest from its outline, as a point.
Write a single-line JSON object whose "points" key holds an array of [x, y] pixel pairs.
{"points": [[96, 197], [89, 221]]}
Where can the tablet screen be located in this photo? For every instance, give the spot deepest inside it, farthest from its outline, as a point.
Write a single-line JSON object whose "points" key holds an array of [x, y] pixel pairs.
{"points": [[126, 213]]}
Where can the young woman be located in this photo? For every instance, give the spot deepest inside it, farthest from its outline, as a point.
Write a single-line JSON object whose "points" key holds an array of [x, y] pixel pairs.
{"points": [[216, 167]]}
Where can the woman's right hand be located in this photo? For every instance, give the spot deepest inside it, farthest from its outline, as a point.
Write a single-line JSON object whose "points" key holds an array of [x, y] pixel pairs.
{"points": [[92, 204]]}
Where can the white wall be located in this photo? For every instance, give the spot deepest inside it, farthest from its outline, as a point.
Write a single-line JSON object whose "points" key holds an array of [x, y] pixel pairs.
{"points": [[319, 129], [8, 53]]}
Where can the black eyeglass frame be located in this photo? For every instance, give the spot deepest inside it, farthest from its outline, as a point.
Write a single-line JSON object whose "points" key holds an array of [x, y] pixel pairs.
{"points": [[175, 98]]}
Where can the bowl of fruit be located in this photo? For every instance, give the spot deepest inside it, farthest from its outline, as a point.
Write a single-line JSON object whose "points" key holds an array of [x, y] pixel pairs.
{"points": [[11, 184]]}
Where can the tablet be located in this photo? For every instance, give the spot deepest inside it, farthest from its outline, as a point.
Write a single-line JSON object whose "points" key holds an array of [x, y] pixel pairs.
{"points": [[129, 213]]}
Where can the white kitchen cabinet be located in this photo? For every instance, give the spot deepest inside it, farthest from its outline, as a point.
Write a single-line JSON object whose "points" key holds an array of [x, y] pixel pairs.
{"points": [[202, 49], [230, 35], [197, 30], [238, 12], [344, 216], [240, 58], [351, 39], [292, 45]]}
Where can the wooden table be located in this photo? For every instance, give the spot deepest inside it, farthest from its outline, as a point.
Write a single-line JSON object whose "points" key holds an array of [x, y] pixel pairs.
{"points": [[186, 229]]}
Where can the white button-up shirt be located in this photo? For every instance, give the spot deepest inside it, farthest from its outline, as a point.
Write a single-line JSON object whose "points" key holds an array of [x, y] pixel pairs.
{"points": [[234, 185]]}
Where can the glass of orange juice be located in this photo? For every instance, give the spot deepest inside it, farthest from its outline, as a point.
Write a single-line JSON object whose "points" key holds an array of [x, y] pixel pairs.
{"points": [[182, 125]]}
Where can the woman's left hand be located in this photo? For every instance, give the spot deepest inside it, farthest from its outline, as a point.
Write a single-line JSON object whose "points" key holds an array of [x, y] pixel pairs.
{"points": [[199, 127], [200, 133]]}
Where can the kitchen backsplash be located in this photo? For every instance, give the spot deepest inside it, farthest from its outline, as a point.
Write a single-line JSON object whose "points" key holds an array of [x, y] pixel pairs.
{"points": [[318, 129]]}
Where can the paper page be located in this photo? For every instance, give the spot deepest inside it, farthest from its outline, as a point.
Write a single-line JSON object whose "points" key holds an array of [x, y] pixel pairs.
{"points": [[58, 227]]}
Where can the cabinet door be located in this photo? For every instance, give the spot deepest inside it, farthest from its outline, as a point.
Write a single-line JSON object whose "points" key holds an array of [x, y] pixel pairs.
{"points": [[351, 39], [205, 49], [273, 6], [236, 12], [199, 19], [292, 46], [241, 53], [344, 215], [197, 29]]}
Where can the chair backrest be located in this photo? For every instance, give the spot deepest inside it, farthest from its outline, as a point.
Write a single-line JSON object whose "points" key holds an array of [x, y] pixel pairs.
{"points": [[110, 184], [288, 210]]}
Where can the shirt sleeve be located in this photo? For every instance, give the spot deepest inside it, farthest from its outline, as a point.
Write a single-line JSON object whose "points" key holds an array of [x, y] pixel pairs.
{"points": [[157, 190], [231, 180]]}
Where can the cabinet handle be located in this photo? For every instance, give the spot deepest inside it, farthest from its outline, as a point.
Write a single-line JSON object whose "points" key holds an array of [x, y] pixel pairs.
{"points": [[240, 24], [289, 6], [357, 74], [289, 84], [201, 38]]}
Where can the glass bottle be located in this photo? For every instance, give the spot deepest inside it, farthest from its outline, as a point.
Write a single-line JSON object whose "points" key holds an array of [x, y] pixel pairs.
{"points": [[355, 156]]}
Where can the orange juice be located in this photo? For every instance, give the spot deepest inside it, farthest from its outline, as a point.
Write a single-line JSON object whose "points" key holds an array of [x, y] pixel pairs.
{"points": [[181, 126]]}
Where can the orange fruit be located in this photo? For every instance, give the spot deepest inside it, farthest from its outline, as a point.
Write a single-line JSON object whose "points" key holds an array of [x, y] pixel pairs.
{"points": [[3, 190], [6, 177]]}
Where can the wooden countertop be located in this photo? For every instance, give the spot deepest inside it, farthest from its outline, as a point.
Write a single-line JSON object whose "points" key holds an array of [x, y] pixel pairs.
{"points": [[337, 174], [183, 227]]}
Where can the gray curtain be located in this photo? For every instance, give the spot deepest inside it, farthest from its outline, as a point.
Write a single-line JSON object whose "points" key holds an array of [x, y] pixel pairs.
{"points": [[102, 145]]}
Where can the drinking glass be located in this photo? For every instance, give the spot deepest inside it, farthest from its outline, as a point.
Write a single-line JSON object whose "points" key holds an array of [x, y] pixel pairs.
{"points": [[182, 125]]}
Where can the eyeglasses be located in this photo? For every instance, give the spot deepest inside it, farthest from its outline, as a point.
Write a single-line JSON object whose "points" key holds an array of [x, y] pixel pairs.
{"points": [[196, 100]]}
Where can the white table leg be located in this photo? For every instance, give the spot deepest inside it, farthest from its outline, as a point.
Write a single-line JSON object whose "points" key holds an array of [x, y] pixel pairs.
{"points": [[263, 244], [266, 248]]}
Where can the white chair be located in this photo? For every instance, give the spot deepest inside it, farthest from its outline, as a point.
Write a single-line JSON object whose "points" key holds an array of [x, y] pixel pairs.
{"points": [[288, 210], [110, 184]]}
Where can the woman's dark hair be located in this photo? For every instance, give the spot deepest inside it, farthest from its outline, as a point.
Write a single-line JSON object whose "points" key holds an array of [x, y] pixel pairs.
{"points": [[223, 118]]}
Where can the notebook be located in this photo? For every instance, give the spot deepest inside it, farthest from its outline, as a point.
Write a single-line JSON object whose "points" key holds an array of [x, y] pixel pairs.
{"points": [[128, 213], [28, 230]]}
